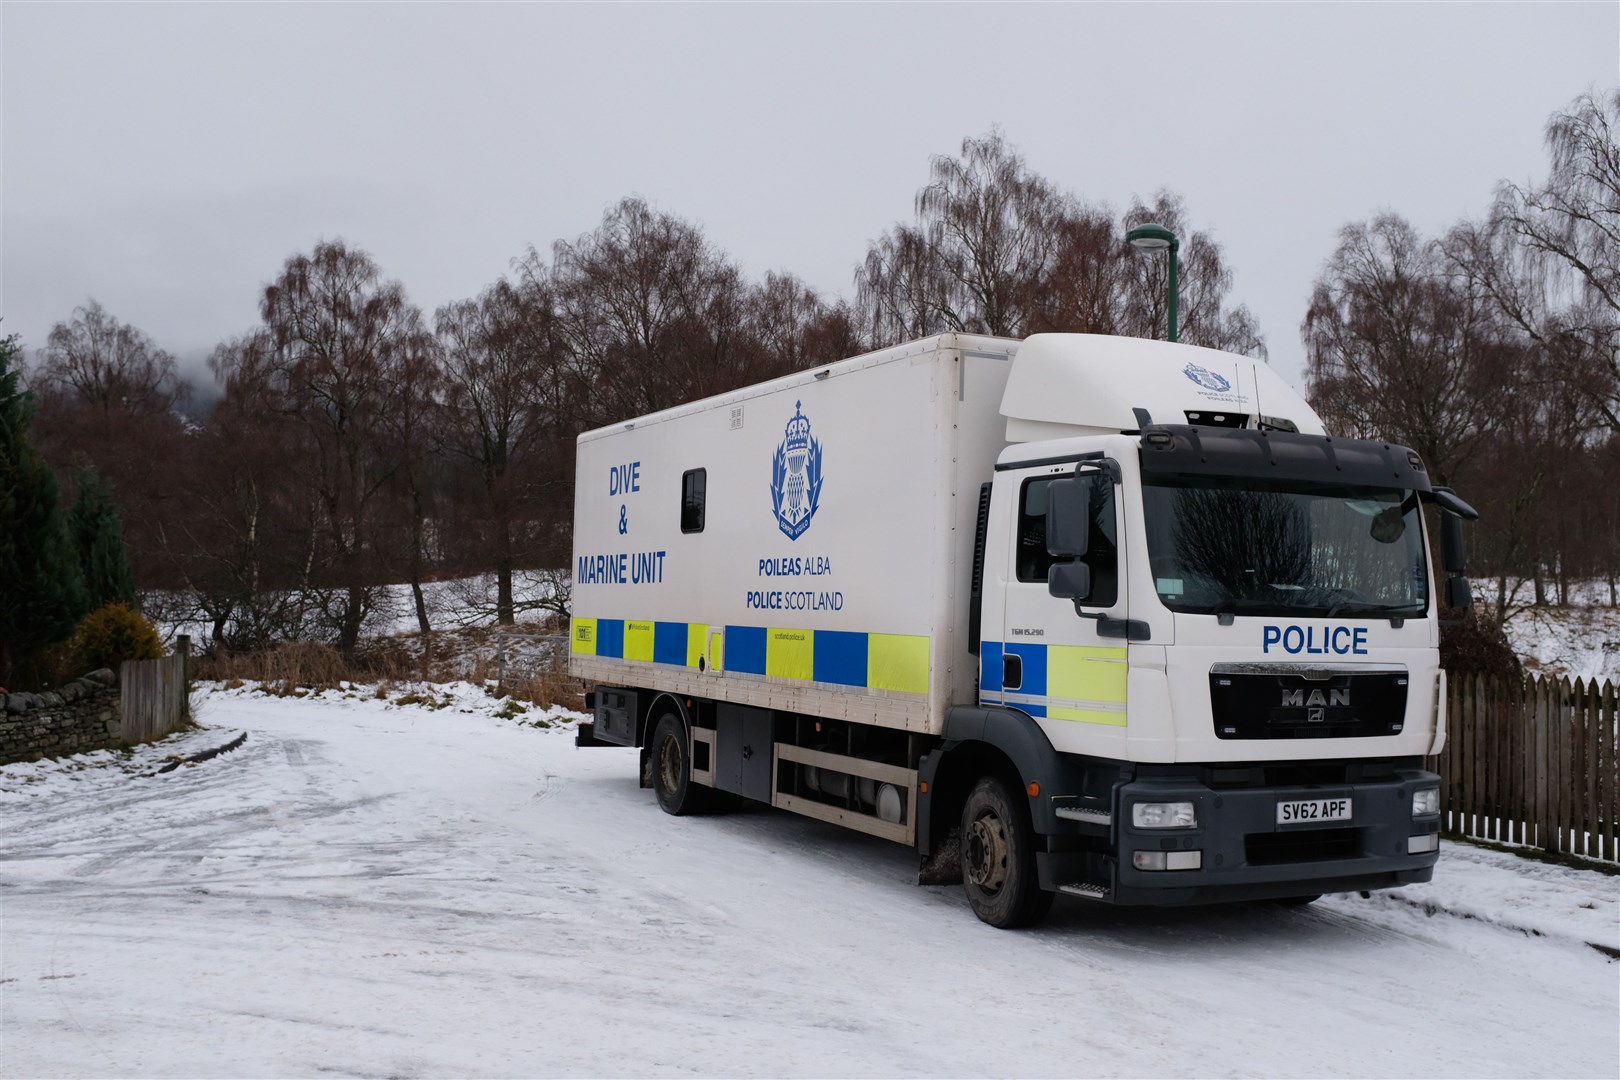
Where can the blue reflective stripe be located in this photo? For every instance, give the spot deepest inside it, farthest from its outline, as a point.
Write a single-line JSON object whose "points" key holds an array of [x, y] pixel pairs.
{"points": [[840, 657], [990, 667], [669, 643], [745, 649], [610, 638]]}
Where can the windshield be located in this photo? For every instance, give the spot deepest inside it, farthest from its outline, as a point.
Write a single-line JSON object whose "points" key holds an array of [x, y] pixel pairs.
{"points": [[1222, 545]]}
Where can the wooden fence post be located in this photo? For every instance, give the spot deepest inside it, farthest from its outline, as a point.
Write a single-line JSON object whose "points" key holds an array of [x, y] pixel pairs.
{"points": [[1609, 744], [1514, 704], [1577, 770], [182, 651]]}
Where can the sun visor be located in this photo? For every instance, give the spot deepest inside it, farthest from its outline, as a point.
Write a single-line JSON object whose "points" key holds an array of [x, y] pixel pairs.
{"points": [[1280, 456], [1063, 385]]}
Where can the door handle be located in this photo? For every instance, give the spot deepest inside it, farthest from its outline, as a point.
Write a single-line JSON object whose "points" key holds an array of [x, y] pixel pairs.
{"points": [[1012, 671]]}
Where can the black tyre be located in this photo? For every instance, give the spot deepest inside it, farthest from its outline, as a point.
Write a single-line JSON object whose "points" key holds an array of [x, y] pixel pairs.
{"points": [[998, 858], [672, 768]]}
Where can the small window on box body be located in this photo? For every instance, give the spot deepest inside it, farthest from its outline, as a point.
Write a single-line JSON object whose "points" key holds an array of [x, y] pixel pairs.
{"points": [[693, 483]]}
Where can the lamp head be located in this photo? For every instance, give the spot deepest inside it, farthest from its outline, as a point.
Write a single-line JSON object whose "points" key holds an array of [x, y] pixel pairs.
{"points": [[1151, 237]]}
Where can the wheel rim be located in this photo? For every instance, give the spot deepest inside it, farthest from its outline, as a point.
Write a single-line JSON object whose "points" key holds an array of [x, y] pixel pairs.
{"points": [[669, 764], [985, 853]]}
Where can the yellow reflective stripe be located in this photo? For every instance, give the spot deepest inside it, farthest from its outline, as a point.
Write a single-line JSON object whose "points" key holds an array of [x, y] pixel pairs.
{"points": [[1087, 716], [638, 640], [1086, 673], [697, 643], [790, 654], [582, 638], [897, 662]]}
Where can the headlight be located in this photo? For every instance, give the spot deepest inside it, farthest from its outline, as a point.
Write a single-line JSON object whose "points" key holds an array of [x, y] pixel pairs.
{"points": [[1168, 860], [1426, 802], [1164, 815]]}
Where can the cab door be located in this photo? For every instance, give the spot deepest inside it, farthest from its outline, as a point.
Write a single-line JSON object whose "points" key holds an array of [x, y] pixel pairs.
{"points": [[1053, 662]]}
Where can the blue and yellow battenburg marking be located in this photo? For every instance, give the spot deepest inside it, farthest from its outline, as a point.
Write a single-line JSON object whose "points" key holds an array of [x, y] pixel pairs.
{"points": [[836, 657], [1063, 682]]}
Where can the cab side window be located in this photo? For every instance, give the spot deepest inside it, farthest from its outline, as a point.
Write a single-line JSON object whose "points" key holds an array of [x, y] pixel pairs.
{"points": [[1102, 546]]}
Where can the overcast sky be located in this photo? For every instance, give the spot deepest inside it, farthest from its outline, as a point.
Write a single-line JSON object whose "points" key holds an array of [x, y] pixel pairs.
{"points": [[166, 159]]}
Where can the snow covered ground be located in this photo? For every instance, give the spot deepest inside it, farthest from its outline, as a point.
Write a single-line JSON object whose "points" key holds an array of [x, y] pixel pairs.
{"points": [[375, 890], [1578, 642]]}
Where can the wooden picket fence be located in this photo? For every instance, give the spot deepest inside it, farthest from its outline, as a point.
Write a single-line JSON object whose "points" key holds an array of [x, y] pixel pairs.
{"points": [[152, 695], [1532, 762]]}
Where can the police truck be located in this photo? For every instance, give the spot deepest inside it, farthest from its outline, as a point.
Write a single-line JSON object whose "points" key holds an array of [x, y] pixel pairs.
{"points": [[1078, 614]]}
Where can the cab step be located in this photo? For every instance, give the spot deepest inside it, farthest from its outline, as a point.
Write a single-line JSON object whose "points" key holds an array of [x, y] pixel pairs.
{"points": [[1085, 814], [1087, 890]]}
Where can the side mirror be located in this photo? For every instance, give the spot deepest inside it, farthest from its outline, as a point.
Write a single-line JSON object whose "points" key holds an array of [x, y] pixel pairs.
{"points": [[1459, 594], [1068, 518], [1069, 580], [1446, 499], [1453, 554]]}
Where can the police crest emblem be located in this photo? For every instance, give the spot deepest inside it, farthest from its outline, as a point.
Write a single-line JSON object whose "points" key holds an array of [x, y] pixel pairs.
{"points": [[1206, 378], [796, 476]]}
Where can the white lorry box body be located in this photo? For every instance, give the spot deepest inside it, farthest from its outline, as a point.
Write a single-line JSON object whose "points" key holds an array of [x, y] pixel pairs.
{"points": [[831, 573]]}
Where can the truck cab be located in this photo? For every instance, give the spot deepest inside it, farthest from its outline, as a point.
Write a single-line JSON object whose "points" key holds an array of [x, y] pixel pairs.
{"points": [[1222, 621]]}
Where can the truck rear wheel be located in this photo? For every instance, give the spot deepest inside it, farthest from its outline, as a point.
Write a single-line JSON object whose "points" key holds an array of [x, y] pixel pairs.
{"points": [[672, 768], [998, 858]]}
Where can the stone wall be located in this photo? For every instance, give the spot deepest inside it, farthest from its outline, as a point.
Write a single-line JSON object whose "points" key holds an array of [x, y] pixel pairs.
{"points": [[81, 715]]}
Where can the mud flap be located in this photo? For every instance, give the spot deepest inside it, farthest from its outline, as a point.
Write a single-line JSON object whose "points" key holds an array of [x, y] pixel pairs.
{"points": [[944, 866]]}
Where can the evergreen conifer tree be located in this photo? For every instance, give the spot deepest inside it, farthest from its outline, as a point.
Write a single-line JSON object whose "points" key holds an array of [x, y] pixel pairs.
{"points": [[41, 592], [98, 536]]}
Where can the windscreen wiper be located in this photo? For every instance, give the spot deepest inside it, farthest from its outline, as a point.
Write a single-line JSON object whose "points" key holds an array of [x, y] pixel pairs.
{"points": [[1396, 615], [1225, 611]]}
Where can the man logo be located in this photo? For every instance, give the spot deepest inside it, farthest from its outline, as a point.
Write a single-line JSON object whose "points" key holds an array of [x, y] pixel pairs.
{"points": [[796, 476], [1207, 378], [1297, 699]]}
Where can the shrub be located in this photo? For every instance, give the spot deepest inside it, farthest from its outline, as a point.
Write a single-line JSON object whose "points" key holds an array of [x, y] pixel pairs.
{"points": [[1477, 646], [112, 634]]}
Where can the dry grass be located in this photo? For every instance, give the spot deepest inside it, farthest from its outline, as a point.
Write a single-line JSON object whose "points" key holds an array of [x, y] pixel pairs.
{"points": [[286, 669], [547, 689], [296, 668], [545, 684]]}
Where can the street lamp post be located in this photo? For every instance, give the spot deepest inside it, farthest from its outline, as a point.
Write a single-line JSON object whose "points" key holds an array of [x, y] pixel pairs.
{"points": [[1152, 237]]}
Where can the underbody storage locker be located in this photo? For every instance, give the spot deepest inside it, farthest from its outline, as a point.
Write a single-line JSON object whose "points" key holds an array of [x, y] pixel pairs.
{"points": [[616, 716], [743, 755]]}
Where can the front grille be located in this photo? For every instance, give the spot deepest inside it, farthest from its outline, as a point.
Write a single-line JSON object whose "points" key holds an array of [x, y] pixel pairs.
{"points": [[1309, 845], [1299, 701]]}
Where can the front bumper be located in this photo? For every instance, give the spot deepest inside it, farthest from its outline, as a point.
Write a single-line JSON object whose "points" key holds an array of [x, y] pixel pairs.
{"points": [[1244, 854]]}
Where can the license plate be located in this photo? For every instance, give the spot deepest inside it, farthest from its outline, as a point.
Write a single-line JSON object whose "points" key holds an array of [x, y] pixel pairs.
{"points": [[1299, 811]]}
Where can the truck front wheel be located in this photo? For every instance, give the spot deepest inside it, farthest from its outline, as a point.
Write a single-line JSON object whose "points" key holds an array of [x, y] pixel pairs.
{"points": [[672, 768], [998, 858]]}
